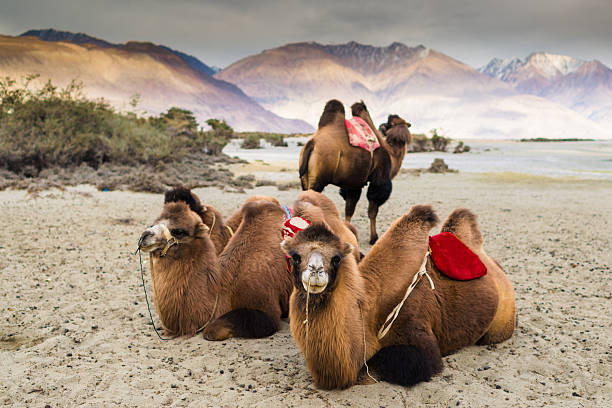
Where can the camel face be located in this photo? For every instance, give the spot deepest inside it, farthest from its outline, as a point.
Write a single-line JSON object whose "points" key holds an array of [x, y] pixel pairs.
{"points": [[177, 223], [316, 254], [398, 133]]}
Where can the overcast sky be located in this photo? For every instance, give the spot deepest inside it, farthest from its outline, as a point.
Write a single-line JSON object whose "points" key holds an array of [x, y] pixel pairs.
{"points": [[221, 32]]}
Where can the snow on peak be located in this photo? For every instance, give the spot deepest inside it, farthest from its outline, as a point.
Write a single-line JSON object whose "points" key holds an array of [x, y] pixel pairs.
{"points": [[552, 65]]}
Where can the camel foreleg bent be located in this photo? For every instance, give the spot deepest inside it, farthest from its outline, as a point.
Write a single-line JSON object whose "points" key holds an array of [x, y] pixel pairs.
{"points": [[244, 323], [401, 364]]}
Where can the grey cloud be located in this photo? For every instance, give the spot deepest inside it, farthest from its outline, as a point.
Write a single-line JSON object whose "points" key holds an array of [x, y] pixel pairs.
{"points": [[220, 32]]}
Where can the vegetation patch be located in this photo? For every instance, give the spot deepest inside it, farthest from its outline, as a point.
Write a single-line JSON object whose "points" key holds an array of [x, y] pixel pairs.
{"points": [[59, 136]]}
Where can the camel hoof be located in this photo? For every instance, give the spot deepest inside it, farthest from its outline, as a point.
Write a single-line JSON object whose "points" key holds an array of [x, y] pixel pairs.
{"points": [[373, 239], [217, 332]]}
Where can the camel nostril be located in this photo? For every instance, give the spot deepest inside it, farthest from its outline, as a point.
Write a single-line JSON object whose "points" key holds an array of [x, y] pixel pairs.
{"points": [[143, 237]]}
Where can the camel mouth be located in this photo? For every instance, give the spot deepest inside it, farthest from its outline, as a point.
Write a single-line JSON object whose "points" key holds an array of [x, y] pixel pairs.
{"points": [[314, 289], [149, 248]]}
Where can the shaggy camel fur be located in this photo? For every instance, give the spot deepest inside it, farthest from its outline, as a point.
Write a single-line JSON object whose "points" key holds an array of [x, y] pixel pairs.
{"points": [[345, 305], [328, 158], [242, 293], [219, 233]]}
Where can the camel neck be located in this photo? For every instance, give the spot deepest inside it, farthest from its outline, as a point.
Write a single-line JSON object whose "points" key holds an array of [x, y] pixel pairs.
{"points": [[397, 153]]}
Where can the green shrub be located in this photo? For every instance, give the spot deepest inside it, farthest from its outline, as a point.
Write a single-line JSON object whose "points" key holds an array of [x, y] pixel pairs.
{"points": [[251, 141], [59, 127]]}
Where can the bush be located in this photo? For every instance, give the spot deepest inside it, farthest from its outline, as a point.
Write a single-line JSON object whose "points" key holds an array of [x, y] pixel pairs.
{"points": [[251, 141], [461, 148], [59, 127]]}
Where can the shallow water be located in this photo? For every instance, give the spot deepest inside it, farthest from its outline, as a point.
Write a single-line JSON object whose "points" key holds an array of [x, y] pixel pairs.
{"points": [[583, 160]]}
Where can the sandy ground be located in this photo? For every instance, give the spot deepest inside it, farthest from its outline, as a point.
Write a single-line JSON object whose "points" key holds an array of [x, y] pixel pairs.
{"points": [[74, 328]]}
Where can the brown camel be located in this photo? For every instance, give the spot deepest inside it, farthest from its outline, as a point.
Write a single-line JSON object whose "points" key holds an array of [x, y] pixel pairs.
{"points": [[328, 158], [345, 305], [241, 293]]}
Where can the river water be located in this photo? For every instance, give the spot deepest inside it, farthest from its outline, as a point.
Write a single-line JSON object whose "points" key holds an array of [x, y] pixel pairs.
{"points": [[583, 160]]}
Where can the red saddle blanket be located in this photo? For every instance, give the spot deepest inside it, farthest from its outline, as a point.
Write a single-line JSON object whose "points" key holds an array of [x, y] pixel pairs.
{"points": [[360, 134], [454, 259]]}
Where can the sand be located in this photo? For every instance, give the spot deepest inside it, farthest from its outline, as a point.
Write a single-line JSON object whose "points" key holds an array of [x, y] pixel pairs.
{"points": [[74, 328]]}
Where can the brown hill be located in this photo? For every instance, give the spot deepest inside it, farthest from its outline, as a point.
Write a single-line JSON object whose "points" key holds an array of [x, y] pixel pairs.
{"points": [[158, 76]]}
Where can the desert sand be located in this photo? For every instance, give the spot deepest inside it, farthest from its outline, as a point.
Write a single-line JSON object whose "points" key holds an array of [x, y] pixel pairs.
{"points": [[74, 327]]}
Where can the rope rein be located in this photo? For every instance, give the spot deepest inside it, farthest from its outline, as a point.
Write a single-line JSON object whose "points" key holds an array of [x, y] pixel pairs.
{"points": [[386, 326], [306, 321], [147, 298], [365, 363]]}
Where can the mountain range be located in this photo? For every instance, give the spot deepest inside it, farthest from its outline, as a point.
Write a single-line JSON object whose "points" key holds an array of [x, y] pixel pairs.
{"points": [[543, 95], [584, 86], [159, 76]]}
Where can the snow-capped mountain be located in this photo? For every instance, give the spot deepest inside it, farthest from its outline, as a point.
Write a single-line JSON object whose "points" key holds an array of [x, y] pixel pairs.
{"points": [[584, 86]]}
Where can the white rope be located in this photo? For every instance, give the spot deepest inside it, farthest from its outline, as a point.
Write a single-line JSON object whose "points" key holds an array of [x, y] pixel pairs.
{"points": [[384, 329], [364, 347]]}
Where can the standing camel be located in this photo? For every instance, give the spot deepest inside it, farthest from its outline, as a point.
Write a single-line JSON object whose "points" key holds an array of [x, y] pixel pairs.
{"points": [[328, 158]]}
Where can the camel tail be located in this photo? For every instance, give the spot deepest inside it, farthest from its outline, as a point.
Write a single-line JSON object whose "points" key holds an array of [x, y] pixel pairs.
{"points": [[464, 224], [305, 157]]}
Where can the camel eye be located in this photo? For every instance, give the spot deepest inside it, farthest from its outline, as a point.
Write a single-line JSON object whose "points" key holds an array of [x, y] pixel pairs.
{"points": [[178, 232], [296, 258], [335, 261]]}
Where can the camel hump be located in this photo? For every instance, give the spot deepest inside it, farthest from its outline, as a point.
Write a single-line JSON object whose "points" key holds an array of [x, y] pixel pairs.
{"points": [[332, 108], [257, 210], [424, 214], [183, 194], [464, 224]]}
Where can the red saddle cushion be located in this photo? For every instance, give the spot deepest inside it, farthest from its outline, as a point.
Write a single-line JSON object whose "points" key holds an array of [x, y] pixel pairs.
{"points": [[454, 259]]}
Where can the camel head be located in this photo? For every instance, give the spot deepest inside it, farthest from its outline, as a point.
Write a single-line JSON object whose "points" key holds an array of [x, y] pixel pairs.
{"points": [[396, 131], [178, 224], [317, 256]]}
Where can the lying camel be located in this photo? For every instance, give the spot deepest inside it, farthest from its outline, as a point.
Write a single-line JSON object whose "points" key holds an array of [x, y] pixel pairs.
{"points": [[328, 158], [338, 307], [241, 293]]}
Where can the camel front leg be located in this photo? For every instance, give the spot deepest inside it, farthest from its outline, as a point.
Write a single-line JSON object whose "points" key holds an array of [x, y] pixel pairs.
{"points": [[372, 214]]}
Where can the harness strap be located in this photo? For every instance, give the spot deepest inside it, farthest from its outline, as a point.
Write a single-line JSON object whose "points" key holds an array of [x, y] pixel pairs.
{"points": [[386, 326]]}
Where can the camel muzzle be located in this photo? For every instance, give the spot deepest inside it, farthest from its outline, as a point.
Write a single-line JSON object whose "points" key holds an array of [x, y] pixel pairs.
{"points": [[314, 277], [152, 238]]}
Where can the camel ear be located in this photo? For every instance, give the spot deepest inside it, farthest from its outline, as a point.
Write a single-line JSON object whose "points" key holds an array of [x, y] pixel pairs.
{"points": [[348, 248], [286, 245], [201, 229]]}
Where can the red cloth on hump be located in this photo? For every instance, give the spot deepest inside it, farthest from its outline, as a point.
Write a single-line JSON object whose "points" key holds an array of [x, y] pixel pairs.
{"points": [[454, 259]]}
